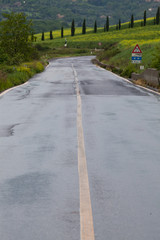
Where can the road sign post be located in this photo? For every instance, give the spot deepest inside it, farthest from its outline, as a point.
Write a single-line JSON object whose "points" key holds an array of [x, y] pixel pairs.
{"points": [[137, 55]]}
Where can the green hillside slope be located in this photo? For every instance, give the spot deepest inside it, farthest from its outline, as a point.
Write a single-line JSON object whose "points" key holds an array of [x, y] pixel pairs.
{"points": [[116, 45], [51, 14]]}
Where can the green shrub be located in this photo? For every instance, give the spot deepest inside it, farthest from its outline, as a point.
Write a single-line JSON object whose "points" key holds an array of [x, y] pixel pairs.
{"points": [[109, 52], [17, 78], [24, 69], [3, 81], [34, 54], [16, 60], [15, 32], [3, 58], [128, 70], [41, 47], [117, 70], [34, 67], [156, 59], [39, 67], [82, 50]]}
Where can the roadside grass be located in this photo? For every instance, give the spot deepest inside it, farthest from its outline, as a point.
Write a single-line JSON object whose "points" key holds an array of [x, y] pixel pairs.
{"points": [[11, 76]]}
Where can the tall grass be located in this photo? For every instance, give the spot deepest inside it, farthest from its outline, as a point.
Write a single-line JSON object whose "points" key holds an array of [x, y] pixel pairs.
{"points": [[16, 75]]}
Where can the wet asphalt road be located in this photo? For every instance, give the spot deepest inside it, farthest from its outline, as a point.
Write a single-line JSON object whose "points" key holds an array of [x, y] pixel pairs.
{"points": [[39, 183]]}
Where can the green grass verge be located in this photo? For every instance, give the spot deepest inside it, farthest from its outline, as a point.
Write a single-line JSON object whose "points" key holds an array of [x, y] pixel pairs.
{"points": [[11, 76]]}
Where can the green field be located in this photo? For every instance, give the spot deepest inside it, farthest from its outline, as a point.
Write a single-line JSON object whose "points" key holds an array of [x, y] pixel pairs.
{"points": [[118, 44]]}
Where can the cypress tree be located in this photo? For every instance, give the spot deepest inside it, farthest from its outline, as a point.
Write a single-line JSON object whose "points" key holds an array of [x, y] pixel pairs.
{"points": [[42, 36], [157, 16], [51, 35], [119, 24], [132, 21], [107, 24], [72, 28], [61, 32], [95, 27], [84, 27], [144, 18], [154, 21]]}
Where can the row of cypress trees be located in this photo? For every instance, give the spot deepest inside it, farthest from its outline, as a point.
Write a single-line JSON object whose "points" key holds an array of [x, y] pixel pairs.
{"points": [[107, 24], [83, 27], [72, 30]]}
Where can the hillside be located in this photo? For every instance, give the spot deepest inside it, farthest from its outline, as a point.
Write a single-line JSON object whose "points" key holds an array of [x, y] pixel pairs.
{"points": [[117, 45], [51, 14]]}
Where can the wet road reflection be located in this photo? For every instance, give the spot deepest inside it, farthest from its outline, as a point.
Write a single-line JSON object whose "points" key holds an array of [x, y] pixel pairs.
{"points": [[39, 184]]}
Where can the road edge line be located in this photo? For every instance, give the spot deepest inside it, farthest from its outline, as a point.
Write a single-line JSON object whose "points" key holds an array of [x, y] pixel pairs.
{"points": [[10, 89], [126, 80]]}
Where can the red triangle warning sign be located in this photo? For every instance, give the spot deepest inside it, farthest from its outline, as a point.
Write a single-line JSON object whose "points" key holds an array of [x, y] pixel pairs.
{"points": [[137, 49]]}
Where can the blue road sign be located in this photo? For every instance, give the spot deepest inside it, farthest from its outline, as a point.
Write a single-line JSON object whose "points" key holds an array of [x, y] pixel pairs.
{"points": [[136, 58]]}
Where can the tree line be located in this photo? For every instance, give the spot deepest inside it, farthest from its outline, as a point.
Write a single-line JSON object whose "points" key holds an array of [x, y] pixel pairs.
{"points": [[131, 24]]}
